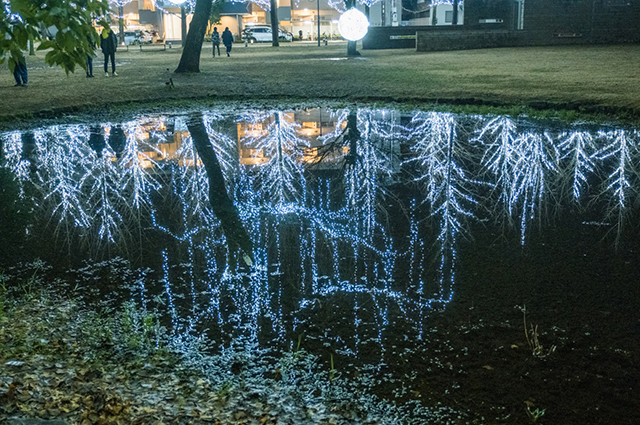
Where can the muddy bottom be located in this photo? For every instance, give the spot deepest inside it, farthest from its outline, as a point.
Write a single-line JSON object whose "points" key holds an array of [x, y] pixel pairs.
{"points": [[576, 363]]}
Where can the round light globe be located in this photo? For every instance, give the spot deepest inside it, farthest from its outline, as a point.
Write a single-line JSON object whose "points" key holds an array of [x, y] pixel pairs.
{"points": [[353, 25]]}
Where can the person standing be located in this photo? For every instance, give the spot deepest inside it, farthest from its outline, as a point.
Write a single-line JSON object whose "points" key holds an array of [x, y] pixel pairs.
{"points": [[215, 40], [108, 44], [92, 45], [20, 71], [227, 40]]}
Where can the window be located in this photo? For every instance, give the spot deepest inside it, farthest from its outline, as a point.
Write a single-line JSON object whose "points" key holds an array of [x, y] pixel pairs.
{"points": [[448, 16]]}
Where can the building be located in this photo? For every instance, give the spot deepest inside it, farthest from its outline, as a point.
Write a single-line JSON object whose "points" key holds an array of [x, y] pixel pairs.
{"points": [[297, 17], [429, 24]]}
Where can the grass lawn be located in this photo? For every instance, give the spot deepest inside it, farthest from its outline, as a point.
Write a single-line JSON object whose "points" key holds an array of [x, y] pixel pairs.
{"points": [[597, 79]]}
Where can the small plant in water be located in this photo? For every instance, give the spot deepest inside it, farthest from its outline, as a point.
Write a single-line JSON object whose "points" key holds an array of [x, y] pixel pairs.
{"points": [[534, 414], [532, 337]]}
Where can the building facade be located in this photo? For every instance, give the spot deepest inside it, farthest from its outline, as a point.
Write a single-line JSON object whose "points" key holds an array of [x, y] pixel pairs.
{"points": [[496, 23]]}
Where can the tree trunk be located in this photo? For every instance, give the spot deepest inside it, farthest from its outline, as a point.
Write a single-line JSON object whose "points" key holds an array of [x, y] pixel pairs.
{"points": [[190, 59], [121, 25], [275, 33], [352, 46], [221, 204], [455, 13]]}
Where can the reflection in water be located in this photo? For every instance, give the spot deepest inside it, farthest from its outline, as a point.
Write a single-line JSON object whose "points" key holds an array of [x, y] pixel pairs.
{"points": [[366, 203]]}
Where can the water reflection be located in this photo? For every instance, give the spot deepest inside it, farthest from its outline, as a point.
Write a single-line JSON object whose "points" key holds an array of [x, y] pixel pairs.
{"points": [[367, 203]]}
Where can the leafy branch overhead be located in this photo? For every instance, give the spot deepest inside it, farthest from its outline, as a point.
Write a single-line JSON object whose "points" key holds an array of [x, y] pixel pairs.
{"points": [[63, 27]]}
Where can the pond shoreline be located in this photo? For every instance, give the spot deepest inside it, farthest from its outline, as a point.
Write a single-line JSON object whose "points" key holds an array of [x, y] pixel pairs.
{"points": [[601, 85], [562, 113]]}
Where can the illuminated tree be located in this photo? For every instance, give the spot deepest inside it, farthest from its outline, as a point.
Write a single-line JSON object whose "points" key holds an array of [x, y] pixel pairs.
{"points": [[282, 175], [620, 144], [577, 148], [447, 188], [521, 163], [364, 133]]}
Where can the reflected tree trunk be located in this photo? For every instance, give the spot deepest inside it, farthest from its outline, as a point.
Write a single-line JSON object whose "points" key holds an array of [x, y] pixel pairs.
{"points": [[30, 150], [221, 203], [117, 140], [96, 139], [352, 135], [190, 59]]}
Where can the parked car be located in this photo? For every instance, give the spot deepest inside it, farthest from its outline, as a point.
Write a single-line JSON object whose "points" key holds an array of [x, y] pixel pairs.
{"points": [[135, 37], [285, 35], [262, 34]]}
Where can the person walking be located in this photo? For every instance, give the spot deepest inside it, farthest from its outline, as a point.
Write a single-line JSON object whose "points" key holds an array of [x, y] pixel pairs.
{"points": [[20, 71], [215, 40], [92, 44], [227, 40], [108, 44]]}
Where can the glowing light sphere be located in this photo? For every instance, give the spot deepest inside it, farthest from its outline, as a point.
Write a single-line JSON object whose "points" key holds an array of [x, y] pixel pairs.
{"points": [[353, 25]]}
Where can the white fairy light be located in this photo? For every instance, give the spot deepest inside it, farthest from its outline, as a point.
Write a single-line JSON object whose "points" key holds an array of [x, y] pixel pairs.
{"points": [[618, 149], [530, 174], [445, 184], [521, 162], [135, 179], [328, 232], [577, 147], [282, 174], [499, 138]]}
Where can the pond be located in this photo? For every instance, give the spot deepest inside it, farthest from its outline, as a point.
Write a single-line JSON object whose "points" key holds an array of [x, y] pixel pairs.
{"points": [[488, 264]]}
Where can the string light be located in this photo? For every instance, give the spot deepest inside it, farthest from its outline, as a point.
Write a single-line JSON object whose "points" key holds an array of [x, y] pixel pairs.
{"points": [[322, 231], [578, 147]]}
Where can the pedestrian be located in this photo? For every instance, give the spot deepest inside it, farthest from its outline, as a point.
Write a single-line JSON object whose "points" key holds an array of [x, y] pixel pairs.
{"points": [[300, 35], [17, 57], [20, 71], [227, 40], [108, 44], [92, 45], [215, 40]]}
